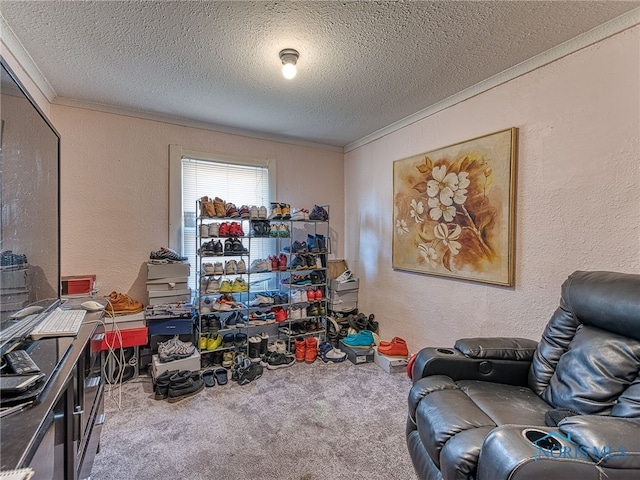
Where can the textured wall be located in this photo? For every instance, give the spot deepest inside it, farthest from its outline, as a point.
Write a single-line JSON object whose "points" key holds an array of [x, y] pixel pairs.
{"points": [[114, 188], [578, 197]]}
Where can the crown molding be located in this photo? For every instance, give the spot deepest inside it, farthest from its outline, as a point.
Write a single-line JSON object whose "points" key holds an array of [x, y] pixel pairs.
{"points": [[595, 35]]}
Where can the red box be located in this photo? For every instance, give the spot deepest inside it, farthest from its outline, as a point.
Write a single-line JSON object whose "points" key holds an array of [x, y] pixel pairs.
{"points": [[77, 284], [133, 337]]}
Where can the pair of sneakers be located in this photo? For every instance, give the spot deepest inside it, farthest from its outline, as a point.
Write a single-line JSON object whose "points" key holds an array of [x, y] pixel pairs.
{"points": [[329, 354], [174, 349], [176, 385], [244, 371], [306, 349]]}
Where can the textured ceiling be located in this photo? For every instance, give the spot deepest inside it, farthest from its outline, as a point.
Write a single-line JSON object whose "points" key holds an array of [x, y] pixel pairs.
{"points": [[362, 67]]}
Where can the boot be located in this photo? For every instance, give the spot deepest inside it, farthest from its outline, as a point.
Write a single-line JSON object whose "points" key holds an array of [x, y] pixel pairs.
{"points": [[311, 352], [162, 384], [301, 349]]}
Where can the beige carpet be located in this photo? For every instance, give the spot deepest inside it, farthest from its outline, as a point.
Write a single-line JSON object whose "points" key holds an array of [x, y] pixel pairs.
{"points": [[305, 422]]}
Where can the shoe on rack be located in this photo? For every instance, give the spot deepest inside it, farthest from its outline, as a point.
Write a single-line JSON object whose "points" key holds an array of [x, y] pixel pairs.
{"points": [[213, 286], [230, 267], [273, 230], [301, 349], [224, 230], [282, 262], [319, 214], [219, 207], [228, 358], [207, 269], [238, 247], [283, 231], [228, 247], [362, 339], [227, 341], [245, 211], [214, 342], [254, 348], [253, 212], [203, 342], [214, 229], [204, 230], [217, 248], [207, 209], [217, 268], [285, 210], [262, 212], [300, 214], [241, 267], [226, 287], [239, 285], [231, 211], [276, 212], [311, 349]]}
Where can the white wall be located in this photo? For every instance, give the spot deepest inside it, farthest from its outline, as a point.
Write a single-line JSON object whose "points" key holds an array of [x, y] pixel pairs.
{"points": [[114, 188], [578, 197]]}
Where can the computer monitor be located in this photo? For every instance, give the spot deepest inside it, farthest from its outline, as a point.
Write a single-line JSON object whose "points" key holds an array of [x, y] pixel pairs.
{"points": [[29, 204]]}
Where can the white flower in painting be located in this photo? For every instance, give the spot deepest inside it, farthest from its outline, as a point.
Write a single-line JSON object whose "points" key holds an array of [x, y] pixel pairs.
{"points": [[429, 254], [417, 209], [449, 187], [441, 231], [401, 227], [460, 195], [439, 210]]}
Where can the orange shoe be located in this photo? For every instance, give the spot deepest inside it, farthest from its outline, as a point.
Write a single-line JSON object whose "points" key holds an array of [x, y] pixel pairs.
{"points": [[301, 349], [312, 349], [121, 304], [395, 348]]}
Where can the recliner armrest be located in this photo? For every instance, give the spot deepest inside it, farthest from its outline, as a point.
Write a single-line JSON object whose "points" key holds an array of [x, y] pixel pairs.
{"points": [[452, 363], [610, 441], [497, 348]]}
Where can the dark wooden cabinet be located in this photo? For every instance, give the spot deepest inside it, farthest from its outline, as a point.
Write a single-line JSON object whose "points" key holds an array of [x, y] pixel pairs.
{"points": [[59, 435]]}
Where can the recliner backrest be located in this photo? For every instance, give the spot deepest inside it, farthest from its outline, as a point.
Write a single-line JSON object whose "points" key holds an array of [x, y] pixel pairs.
{"points": [[589, 357]]}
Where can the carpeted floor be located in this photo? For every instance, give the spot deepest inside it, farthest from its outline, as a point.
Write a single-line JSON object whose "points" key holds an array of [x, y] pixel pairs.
{"points": [[305, 422]]}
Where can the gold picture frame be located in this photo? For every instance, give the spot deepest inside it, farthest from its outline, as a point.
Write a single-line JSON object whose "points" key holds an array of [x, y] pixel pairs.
{"points": [[454, 210]]}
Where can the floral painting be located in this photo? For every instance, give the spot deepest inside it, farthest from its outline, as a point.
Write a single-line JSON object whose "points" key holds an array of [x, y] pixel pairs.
{"points": [[454, 207]]}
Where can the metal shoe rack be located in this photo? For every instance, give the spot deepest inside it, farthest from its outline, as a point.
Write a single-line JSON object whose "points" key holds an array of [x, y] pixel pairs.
{"points": [[282, 282]]}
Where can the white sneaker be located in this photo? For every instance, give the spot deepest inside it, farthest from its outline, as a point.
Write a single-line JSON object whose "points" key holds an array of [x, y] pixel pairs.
{"points": [[204, 230], [217, 268], [230, 267], [262, 212], [214, 286], [241, 267], [208, 268], [214, 229], [344, 277], [253, 212]]}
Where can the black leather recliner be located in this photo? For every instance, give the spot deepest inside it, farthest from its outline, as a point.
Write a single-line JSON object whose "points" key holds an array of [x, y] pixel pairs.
{"points": [[565, 408]]}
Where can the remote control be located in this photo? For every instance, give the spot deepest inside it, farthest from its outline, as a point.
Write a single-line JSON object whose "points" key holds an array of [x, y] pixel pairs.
{"points": [[21, 362]]}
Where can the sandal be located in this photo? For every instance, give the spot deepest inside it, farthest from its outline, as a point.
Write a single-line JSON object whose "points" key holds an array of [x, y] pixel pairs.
{"points": [[221, 376], [208, 378]]}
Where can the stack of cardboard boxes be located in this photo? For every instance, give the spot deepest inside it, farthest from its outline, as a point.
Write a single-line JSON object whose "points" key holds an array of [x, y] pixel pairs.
{"points": [[167, 283], [343, 295]]}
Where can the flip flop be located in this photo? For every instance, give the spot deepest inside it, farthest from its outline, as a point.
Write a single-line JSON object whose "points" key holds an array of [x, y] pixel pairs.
{"points": [[221, 376], [207, 376]]}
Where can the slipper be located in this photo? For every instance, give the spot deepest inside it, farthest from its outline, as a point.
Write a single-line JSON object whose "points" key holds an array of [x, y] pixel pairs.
{"points": [[221, 376], [207, 376]]}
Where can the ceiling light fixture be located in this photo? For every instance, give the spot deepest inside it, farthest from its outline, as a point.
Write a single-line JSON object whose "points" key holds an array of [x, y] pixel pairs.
{"points": [[289, 58]]}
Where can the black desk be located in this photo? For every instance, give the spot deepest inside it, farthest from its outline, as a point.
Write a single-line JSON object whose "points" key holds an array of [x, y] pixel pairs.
{"points": [[58, 435]]}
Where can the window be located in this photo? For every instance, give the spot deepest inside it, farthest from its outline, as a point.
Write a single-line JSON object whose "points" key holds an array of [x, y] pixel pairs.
{"points": [[196, 174]]}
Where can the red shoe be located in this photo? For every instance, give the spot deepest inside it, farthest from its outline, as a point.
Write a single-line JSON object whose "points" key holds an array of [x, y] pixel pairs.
{"points": [[282, 262], [301, 349], [318, 294], [311, 349], [274, 263], [224, 230], [280, 313], [311, 295], [396, 348]]}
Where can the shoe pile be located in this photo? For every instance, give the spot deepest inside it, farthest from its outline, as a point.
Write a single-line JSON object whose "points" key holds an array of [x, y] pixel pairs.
{"points": [[244, 371], [397, 347], [329, 354], [175, 385], [121, 304], [166, 255], [174, 349]]}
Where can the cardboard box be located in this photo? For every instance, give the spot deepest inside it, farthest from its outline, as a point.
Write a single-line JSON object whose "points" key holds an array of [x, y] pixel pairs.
{"points": [[357, 356], [390, 364], [167, 270], [343, 301], [169, 299], [167, 286], [125, 322], [335, 268], [353, 284], [191, 363]]}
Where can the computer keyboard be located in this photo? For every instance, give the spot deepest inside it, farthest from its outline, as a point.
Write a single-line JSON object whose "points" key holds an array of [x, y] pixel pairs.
{"points": [[61, 323]]}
